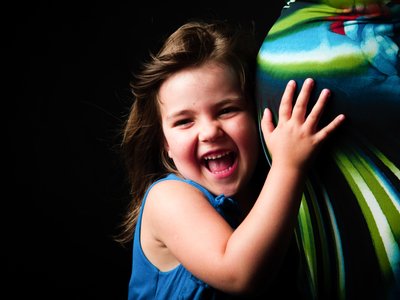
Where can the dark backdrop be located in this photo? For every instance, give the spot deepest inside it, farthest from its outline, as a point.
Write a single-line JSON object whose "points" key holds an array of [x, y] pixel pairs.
{"points": [[67, 69]]}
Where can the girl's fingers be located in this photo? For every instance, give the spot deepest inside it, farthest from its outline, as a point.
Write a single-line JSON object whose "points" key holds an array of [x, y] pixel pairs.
{"points": [[267, 124], [335, 123], [298, 111], [300, 108], [285, 108], [316, 112]]}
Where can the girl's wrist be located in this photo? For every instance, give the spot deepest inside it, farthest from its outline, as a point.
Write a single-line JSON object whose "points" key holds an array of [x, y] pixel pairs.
{"points": [[289, 167]]}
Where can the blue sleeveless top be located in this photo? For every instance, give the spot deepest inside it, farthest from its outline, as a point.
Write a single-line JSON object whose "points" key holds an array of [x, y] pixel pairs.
{"points": [[148, 282]]}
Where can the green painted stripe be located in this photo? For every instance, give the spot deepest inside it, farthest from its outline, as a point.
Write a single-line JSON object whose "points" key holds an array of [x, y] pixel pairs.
{"points": [[356, 64], [341, 273], [301, 16], [307, 242], [322, 237], [384, 243], [388, 201], [392, 167]]}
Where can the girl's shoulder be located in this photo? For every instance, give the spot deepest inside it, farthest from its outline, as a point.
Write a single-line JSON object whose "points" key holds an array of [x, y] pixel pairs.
{"points": [[174, 185], [173, 194]]}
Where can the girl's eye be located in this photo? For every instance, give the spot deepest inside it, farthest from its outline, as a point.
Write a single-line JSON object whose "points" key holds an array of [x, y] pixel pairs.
{"points": [[228, 110], [182, 122]]}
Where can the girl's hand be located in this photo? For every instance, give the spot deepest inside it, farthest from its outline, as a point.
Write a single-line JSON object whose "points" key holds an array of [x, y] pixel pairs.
{"points": [[296, 137]]}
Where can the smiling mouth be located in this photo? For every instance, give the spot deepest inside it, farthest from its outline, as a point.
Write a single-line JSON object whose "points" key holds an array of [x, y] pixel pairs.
{"points": [[220, 163]]}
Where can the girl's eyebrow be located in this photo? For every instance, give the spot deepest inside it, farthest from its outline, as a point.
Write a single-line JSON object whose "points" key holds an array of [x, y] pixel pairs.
{"points": [[229, 101], [179, 113]]}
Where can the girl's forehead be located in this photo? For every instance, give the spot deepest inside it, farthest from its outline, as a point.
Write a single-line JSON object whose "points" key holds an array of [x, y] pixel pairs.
{"points": [[201, 78]]}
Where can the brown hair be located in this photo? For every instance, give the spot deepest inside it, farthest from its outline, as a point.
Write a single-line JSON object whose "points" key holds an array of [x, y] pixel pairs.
{"points": [[193, 44]]}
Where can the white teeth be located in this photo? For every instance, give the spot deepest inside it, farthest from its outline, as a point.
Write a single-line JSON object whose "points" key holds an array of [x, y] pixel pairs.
{"points": [[216, 156]]}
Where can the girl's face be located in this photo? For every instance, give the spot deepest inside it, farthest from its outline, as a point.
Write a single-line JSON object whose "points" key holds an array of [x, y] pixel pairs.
{"points": [[210, 132]]}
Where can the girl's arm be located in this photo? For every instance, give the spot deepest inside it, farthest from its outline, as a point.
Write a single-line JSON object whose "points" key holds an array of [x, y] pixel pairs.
{"points": [[184, 226]]}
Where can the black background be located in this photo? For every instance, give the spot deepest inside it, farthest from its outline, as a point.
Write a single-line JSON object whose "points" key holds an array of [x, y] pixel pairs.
{"points": [[67, 68]]}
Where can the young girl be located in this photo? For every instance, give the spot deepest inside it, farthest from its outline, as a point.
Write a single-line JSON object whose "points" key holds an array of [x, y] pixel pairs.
{"points": [[202, 227]]}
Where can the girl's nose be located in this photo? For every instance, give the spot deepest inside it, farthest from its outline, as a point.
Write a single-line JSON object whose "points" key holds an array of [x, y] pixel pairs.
{"points": [[210, 131]]}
